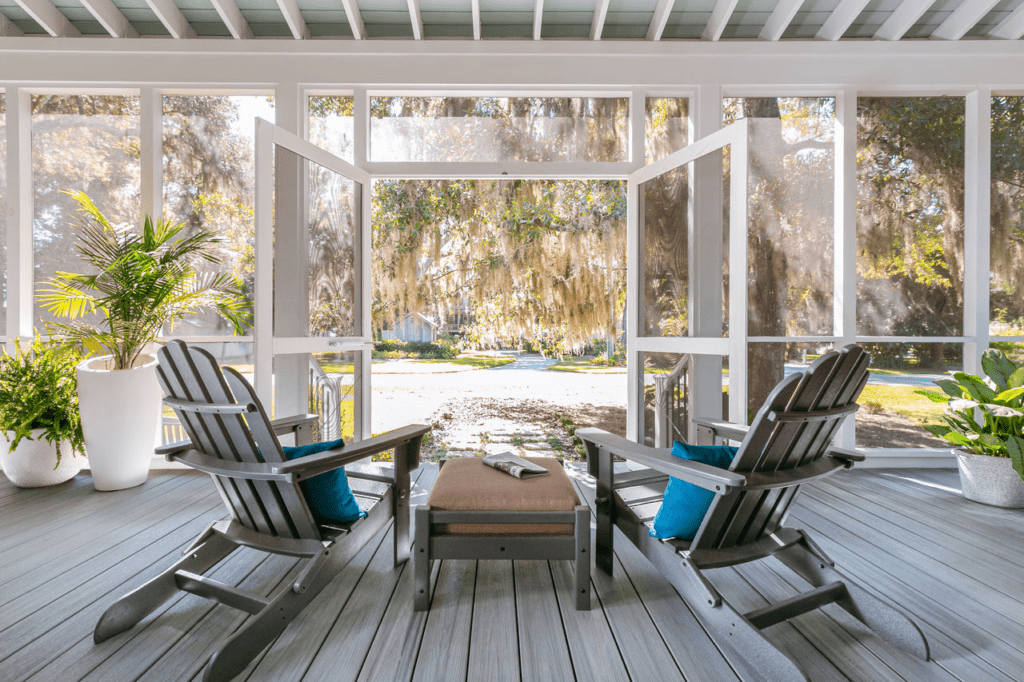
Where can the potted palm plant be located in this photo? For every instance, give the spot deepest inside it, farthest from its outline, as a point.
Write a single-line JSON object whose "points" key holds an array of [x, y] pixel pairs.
{"points": [[140, 281], [984, 418], [39, 415]]}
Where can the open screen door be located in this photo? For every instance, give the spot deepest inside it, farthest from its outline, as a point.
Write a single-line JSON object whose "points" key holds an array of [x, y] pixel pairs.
{"points": [[312, 289], [685, 325]]}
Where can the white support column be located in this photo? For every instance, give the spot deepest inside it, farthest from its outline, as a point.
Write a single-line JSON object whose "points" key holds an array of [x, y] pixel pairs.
{"points": [[291, 256], [844, 231], [977, 218], [20, 299], [360, 127], [706, 256], [634, 281], [738, 268], [151, 152]]}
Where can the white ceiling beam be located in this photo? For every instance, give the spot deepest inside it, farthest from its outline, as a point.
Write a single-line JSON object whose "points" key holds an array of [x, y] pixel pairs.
{"points": [[293, 17], [845, 13], [110, 18], [475, 6], [1010, 28], [172, 18], [963, 19], [8, 27], [660, 19], [538, 18], [780, 19], [416, 18], [50, 18], [600, 14], [355, 19], [719, 18], [902, 19], [232, 18]]}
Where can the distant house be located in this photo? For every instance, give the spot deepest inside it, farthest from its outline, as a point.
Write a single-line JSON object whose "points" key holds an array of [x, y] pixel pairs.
{"points": [[413, 327]]}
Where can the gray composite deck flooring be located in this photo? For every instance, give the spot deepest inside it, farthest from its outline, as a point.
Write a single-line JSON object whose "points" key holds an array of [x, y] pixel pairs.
{"points": [[67, 551]]}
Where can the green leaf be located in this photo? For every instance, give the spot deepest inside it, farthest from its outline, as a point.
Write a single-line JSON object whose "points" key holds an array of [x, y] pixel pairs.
{"points": [[934, 397], [975, 386], [998, 367], [1015, 449], [1016, 380], [950, 387], [1009, 394]]}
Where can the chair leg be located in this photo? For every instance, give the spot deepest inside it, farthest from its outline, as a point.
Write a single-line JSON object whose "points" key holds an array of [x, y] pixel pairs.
{"points": [[421, 559], [582, 558], [244, 645], [887, 620], [400, 506], [127, 611], [728, 627]]}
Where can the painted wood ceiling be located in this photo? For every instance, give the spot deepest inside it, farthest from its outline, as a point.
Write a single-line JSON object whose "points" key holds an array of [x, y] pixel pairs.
{"points": [[693, 20]]}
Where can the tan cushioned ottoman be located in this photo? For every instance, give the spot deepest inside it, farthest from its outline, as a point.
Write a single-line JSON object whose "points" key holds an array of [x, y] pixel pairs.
{"points": [[467, 484]]}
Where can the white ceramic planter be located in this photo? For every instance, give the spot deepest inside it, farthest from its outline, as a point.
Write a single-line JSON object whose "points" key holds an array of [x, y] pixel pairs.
{"points": [[31, 465], [990, 480], [120, 420]]}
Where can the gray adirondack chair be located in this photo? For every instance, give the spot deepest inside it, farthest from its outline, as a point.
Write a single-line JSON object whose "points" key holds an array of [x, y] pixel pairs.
{"points": [[232, 439], [787, 445]]}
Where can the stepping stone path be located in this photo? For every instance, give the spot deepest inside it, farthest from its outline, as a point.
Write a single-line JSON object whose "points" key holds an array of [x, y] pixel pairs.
{"points": [[486, 435]]}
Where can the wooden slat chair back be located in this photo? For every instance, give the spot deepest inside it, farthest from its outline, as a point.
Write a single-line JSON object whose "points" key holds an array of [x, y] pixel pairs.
{"points": [[788, 445], [793, 429], [193, 376], [231, 438]]}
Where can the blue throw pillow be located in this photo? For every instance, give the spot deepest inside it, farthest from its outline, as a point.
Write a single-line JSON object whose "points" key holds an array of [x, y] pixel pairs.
{"points": [[327, 494], [685, 504]]}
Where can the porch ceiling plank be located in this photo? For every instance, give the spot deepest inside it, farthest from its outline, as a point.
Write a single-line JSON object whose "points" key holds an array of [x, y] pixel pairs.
{"points": [[293, 17], [963, 19], [902, 19], [1010, 28], [172, 18], [44, 13], [538, 18], [111, 18], [475, 8], [355, 19], [660, 19], [780, 19], [845, 13], [719, 18], [597, 23], [416, 17], [233, 19], [8, 27]]}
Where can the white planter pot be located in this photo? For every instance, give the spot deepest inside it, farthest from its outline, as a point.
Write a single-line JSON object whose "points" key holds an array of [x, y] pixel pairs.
{"points": [[990, 480], [120, 420], [31, 465]]}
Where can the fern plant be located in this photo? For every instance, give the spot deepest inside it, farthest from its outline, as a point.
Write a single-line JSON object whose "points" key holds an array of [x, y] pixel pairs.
{"points": [[998, 401], [38, 390], [141, 282]]}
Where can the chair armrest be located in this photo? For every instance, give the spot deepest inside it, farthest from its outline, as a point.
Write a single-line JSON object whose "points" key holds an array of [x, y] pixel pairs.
{"points": [[170, 449], [311, 465], [724, 429], [848, 457], [708, 477], [253, 471]]}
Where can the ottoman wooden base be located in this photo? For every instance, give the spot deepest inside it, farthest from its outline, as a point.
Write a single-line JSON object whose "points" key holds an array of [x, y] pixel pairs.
{"points": [[476, 512]]}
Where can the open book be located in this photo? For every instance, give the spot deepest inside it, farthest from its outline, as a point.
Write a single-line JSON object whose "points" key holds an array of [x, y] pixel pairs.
{"points": [[516, 466]]}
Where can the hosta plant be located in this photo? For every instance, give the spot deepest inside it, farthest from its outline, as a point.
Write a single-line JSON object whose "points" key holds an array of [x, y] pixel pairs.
{"points": [[984, 416], [140, 281], [38, 391]]}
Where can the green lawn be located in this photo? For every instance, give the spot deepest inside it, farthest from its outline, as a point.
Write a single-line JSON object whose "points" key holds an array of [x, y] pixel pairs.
{"points": [[482, 361], [582, 364], [902, 400]]}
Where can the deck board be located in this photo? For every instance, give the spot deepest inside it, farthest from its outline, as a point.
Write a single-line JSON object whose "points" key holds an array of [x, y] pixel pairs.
{"points": [[66, 552]]}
